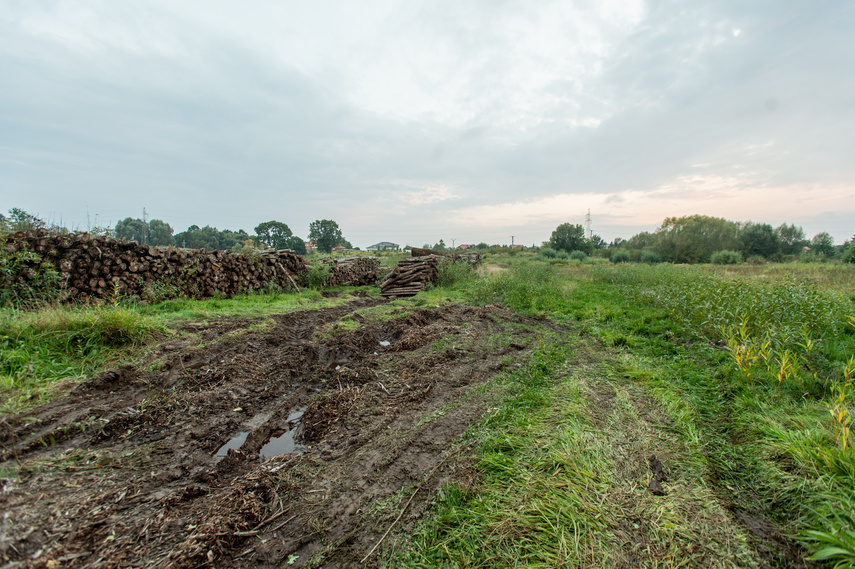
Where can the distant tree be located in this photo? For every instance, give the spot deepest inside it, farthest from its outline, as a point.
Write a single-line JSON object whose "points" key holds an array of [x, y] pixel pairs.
{"points": [[598, 242], [568, 238], [617, 243], [296, 244], [482, 245], [760, 239], [694, 238], [325, 233], [792, 239], [439, 246], [131, 229], [822, 244], [274, 234], [643, 240], [20, 220], [160, 233]]}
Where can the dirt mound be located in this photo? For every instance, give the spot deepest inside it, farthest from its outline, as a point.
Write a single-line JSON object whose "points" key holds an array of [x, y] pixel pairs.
{"points": [[259, 447]]}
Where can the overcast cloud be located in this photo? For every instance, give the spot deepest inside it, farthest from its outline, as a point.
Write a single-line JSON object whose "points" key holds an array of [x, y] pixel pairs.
{"points": [[415, 121]]}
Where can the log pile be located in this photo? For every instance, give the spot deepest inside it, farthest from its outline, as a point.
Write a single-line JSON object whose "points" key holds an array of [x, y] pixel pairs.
{"points": [[471, 257], [356, 271], [93, 268], [411, 276]]}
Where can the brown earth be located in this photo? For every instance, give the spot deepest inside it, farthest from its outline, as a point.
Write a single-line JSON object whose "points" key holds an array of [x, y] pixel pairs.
{"points": [[125, 471]]}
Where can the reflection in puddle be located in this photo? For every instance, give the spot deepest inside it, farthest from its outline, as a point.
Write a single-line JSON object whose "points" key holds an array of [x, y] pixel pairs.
{"points": [[283, 442], [235, 443], [385, 342]]}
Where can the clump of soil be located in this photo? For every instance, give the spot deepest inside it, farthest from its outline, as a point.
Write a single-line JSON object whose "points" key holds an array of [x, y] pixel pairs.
{"points": [[125, 471]]}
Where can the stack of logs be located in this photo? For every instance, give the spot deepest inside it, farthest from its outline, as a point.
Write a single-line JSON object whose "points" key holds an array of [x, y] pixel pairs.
{"points": [[356, 271], [471, 257], [94, 268], [411, 276]]}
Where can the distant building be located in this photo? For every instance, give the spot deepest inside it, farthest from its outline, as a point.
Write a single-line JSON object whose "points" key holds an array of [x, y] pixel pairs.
{"points": [[339, 247], [310, 246], [464, 246], [383, 246]]}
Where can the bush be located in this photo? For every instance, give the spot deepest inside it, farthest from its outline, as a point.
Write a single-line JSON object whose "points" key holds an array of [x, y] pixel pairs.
{"points": [[25, 279], [578, 255], [316, 275], [619, 256], [548, 252], [451, 273], [726, 257], [650, 257], [848, 255]]}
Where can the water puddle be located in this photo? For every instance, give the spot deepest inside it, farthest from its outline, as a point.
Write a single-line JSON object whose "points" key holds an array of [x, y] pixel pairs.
{"points": [[282, 442], [235, 443]]}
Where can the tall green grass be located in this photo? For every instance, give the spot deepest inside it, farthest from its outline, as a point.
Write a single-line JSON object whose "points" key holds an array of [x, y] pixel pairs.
{"points": [[530, 288], [791, 354], [41, 347]]}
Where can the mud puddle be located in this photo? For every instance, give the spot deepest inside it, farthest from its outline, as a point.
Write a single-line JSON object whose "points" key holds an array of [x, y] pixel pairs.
{"points": [[266, 447]]}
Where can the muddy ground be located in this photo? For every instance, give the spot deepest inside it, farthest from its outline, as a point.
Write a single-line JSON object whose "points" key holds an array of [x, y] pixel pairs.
{"points": [[256, 443]]}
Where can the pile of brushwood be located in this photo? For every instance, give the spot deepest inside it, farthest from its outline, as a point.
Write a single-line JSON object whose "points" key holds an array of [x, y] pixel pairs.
{"points": [[97, 267]]}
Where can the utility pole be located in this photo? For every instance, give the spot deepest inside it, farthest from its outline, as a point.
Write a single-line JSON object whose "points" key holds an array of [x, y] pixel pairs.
{"points": [[588, 224], [145, 231], [452, 242], [512, 241]]}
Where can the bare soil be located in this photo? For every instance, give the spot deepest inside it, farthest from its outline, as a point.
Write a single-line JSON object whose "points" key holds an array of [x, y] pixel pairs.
{"points": [[125, 470]]}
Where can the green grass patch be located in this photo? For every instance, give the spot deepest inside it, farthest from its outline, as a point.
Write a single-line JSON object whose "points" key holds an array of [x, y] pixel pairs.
{"points": [[40, 348]]}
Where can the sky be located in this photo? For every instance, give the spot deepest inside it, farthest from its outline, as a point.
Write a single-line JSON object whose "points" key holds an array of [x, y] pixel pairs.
{"points": [[411, 122]]}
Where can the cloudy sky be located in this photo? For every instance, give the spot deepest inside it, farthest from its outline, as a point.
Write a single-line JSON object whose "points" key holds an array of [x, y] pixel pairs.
{"points": [[419, 120]]}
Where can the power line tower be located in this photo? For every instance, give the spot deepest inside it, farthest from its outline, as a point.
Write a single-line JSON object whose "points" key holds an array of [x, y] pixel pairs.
{"points": [[588, 224]]}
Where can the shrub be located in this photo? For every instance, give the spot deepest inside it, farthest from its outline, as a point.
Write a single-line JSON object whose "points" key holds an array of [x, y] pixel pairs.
{"points": [[726, 257], [650, 257], [619, 256], [548, 252], [316, 275], [578, 255], [848, 255], [25, 279], [451, 273]]}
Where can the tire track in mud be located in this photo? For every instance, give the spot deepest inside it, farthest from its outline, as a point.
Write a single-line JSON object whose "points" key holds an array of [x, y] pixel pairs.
{"points": [[130, 476]]}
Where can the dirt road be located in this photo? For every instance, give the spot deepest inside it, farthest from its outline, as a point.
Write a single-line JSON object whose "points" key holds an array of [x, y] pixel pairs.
{"points": [[252, 443]]}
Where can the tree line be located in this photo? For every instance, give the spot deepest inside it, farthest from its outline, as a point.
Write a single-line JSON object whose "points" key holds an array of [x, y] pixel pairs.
{"points": [[697, 238], [325, 234]]}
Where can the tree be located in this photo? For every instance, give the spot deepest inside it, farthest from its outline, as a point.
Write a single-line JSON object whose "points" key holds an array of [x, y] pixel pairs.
{"points": [[160, 233], [325, 233], [296, 244], [694, 238], [131, 229], [274, 234], [439, 246], [792, 239], [822, 244], [760, 239], [569, 238], [598, 242]]}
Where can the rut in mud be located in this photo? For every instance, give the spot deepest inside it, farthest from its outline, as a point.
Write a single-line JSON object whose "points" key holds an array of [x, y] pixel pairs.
{"points": [[262, 446]]}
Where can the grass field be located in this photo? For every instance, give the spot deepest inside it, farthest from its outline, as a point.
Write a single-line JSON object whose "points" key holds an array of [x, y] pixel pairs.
{"points": [[739, 381]]}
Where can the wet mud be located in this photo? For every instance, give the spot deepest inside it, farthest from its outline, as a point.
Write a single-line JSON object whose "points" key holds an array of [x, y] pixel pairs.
{"points": [[255, 447]]}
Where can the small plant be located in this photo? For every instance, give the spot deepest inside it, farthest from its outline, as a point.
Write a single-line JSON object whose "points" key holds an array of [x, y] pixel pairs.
{"points": [[726, 258], [839, 408]]}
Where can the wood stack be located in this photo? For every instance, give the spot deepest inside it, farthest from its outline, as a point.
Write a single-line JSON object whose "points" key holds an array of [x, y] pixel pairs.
{"points": [[356, 271], [411, 276], [93, 267], [471, 257]]}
